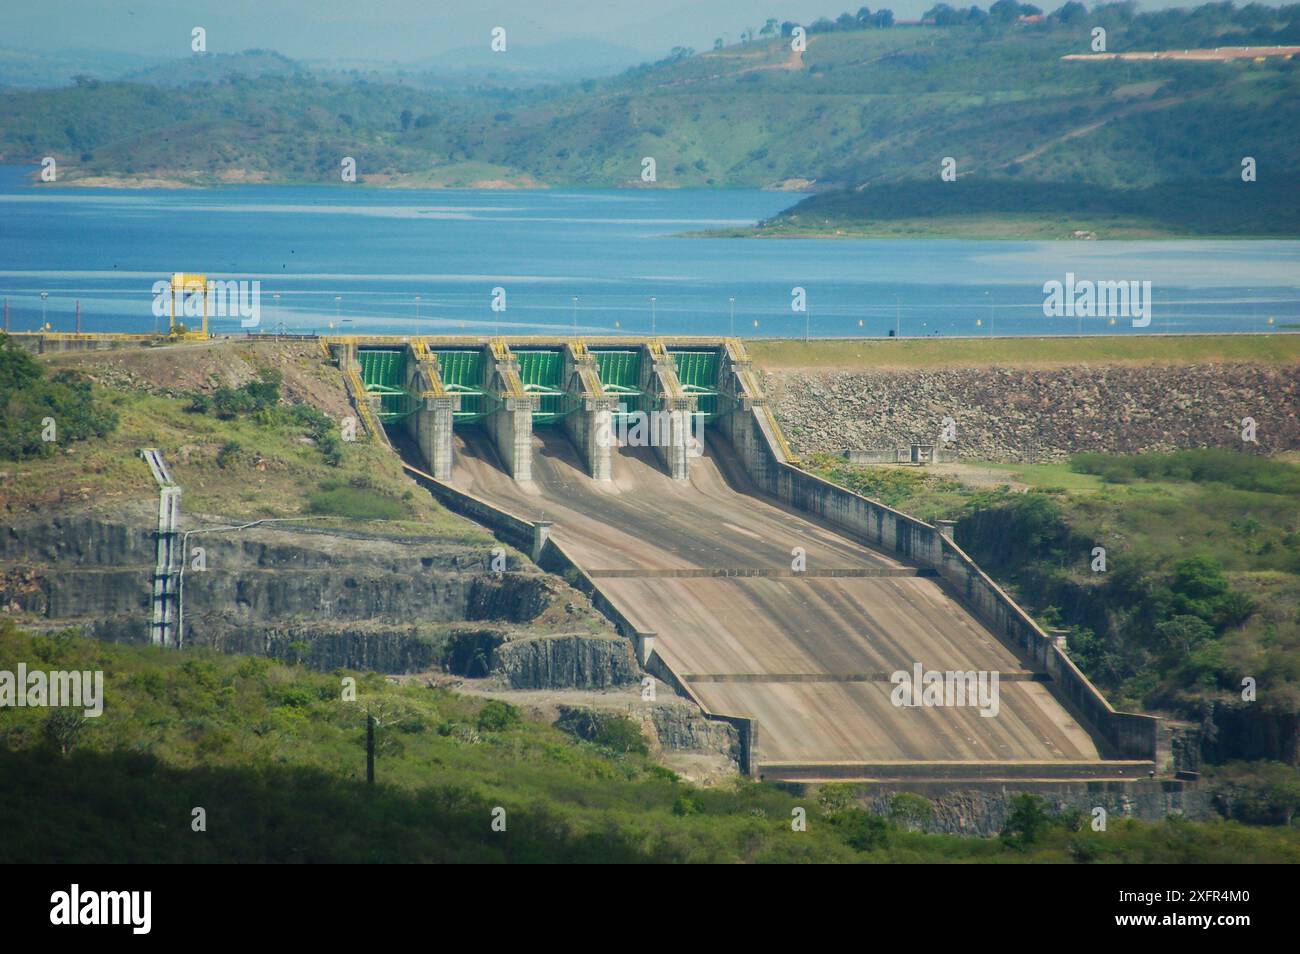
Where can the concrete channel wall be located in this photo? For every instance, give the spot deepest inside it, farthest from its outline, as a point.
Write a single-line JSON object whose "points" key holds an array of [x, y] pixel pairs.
{"points": [[534, 539], [754, 436]]}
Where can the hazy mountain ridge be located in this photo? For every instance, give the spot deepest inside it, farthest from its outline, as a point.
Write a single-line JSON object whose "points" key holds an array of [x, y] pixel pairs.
{"points": [[861, 106]]}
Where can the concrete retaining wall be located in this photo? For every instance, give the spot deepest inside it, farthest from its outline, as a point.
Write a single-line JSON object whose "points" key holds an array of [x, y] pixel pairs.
{"points": [[551, 556], [751, 433]]}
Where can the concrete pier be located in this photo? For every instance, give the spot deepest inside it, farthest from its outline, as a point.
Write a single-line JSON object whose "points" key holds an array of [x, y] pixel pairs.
{"points": [[590, 427], [510, 425], [432, 422], [659, 377]]}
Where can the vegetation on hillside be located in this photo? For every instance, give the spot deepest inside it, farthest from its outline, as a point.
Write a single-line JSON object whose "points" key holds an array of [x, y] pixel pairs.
{"points": [[240, 452], [1201, 584], [41, 413], [864, 104], [275, 757], [1001, 208]]}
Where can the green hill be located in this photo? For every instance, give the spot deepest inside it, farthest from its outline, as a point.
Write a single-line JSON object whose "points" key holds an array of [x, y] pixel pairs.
{"points": [[277, 761], [861, 106]]}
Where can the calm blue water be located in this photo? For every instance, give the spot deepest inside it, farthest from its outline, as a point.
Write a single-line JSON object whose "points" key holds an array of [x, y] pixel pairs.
{"points": [[613, 250]]}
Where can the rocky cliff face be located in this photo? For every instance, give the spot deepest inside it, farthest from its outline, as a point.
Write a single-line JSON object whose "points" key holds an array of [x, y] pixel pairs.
{"points": [[526, 660], [983, 810], [327, 599], [1026, 414], [668, 724]]}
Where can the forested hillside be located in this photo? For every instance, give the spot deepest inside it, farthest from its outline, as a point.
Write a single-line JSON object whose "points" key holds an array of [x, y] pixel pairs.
{"points": [[865, 103]]}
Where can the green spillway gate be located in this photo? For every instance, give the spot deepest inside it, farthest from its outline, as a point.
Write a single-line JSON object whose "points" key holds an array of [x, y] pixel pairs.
{"points": [[620, 376], [698, 373], [540, 371], [383, 372], [462, 373]]}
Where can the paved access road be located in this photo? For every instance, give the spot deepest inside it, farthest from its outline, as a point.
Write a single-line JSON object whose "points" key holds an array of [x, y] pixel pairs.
{"points": [[808, 657]]}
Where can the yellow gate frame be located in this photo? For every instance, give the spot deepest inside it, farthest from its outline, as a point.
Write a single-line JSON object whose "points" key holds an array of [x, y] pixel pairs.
{"points": [[187, 282]]}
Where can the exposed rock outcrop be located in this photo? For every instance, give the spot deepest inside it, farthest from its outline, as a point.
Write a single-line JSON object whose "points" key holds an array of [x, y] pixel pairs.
{"points": [[328, 599]]}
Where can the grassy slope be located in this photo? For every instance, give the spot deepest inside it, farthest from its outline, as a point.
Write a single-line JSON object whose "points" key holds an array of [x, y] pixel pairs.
{"points": [[275, 758], [275, 473], [1117, 349]]}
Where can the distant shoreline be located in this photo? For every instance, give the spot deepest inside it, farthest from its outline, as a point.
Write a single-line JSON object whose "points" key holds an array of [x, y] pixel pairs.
{"points": [[988, 230]]}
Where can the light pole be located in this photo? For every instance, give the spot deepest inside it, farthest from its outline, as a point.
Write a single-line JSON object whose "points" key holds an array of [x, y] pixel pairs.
{"points": [[652, 316], [733, 316], [575, 316], [44, 295], [275, 298]]}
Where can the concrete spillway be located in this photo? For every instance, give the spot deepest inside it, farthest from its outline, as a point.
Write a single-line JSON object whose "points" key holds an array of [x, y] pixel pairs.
{"points": [[808, 657], [772, 598]]}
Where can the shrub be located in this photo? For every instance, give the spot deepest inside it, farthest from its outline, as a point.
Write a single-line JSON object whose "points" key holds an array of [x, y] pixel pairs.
{"points": [[909, 810], [28, 397], [228, 453], [621, 735], [861, 830], [1026, 822], [497, 716]]}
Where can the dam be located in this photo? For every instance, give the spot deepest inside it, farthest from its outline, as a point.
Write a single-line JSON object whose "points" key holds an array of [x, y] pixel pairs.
{"points": [[770, 598]]}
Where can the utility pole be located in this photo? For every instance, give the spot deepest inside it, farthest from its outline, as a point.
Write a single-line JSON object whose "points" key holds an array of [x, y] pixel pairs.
{"points": [[575, 316], [652, 316], [78, 316], [370, 748], [733, 316]]}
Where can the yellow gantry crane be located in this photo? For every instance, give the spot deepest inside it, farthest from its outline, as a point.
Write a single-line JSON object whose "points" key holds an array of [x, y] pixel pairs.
{"points": [[188, 283]]}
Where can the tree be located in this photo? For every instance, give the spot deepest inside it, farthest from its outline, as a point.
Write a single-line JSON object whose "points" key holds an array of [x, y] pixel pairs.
{"points": [[1182, 634], [1071, 13], [861, 830], [63, 729], [943, 15], [1004, 11], [864, 17], [1026, 822], [911, 811], [884, 18], [769, 28]]}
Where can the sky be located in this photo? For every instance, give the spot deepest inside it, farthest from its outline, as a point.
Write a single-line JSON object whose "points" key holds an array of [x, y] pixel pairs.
{"points": [[404, 30]]}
